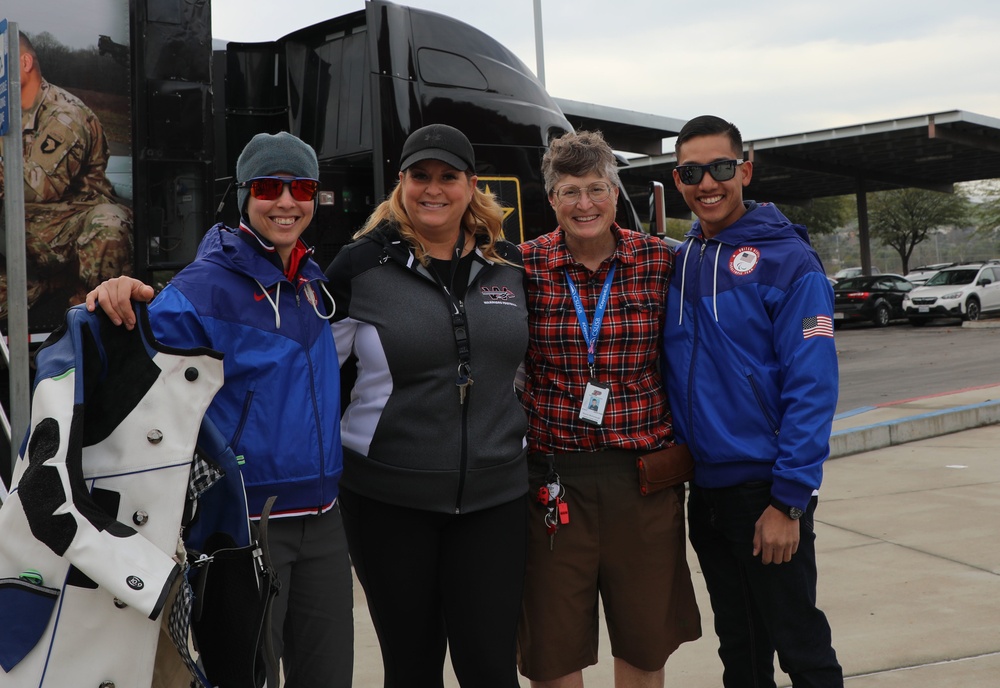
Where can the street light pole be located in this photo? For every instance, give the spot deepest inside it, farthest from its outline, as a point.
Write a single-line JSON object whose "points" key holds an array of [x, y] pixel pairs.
{"points": [[539, 51]]}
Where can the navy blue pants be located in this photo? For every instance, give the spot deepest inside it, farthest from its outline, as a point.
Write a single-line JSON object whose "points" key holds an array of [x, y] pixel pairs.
{"points": [[760, 610], [437, 581]]}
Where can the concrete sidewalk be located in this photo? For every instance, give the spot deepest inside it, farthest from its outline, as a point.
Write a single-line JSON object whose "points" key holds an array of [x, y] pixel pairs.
{"points": [[908, 540]]}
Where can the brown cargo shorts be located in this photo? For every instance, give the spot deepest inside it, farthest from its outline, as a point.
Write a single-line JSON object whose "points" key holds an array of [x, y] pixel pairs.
{"points": [[628, 549]]}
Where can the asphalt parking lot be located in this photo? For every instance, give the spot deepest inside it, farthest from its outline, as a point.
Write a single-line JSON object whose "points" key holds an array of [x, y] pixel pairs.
{"points": [[881, 365]]}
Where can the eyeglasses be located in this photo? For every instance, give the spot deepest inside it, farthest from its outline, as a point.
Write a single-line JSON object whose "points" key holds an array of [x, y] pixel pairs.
{"points": [[271, 188], [596, 192], [721, 171]]}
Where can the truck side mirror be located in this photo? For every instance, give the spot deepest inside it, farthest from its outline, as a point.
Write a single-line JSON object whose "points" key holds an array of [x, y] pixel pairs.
{"points": [[657, 210]]}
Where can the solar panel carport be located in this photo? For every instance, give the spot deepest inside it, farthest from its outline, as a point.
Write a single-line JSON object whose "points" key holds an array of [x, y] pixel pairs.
{"points": [[926, 151]]}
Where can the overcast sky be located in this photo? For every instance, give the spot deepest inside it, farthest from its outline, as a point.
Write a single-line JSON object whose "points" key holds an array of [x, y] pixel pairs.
{"points": [[774, 67]]}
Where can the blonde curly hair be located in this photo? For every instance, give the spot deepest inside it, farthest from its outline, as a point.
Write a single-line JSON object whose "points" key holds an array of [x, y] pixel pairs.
{"points": [[483, 217]]}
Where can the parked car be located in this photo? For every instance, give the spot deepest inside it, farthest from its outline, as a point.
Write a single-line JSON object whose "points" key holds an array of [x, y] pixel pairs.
{"points": [[960, 291], [877, 299], [922, 273], [845, 273]]}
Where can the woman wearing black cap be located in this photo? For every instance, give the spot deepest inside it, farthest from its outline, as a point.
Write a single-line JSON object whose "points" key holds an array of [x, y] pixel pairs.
{"points": [[431, 301]]}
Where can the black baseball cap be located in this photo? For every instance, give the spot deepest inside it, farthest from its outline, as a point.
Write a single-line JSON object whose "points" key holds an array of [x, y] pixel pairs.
{"points": [[438, 142]]}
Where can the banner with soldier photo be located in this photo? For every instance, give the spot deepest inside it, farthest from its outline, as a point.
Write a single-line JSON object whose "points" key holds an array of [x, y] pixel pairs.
{"points": [[77, 146]]}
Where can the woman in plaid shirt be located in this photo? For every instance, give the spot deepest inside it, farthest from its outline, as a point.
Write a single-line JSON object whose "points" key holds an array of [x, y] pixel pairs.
{"points": [[595, 401]]}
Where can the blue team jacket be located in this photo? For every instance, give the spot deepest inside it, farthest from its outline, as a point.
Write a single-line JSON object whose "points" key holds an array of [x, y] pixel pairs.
{"points": [[751, 363]]}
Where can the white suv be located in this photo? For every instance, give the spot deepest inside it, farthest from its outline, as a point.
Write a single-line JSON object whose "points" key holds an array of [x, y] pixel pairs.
{"points": [[960, 291]]}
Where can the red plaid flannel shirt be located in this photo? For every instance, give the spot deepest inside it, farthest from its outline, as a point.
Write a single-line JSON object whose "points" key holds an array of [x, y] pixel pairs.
{"points": [[627, 354]]}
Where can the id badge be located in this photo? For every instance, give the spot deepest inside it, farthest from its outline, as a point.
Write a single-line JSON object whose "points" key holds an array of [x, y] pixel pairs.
{"points": [[595, 399]]}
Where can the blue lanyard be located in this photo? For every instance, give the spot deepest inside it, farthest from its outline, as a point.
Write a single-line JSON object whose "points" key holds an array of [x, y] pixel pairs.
{"points": [[590, 330]]}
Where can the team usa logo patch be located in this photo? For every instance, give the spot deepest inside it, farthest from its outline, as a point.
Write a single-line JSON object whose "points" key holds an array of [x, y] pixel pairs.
{"points": [[744, 260]]}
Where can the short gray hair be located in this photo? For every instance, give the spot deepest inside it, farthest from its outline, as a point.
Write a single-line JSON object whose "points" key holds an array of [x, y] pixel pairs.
{"points": [[578, 154]]}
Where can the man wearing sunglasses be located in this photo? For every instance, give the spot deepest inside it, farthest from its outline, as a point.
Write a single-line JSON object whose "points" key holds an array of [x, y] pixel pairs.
{"points": [[752, 381]]}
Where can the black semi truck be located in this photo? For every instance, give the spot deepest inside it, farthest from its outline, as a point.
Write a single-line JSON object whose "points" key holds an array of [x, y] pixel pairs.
{"points": [[178, 105]]}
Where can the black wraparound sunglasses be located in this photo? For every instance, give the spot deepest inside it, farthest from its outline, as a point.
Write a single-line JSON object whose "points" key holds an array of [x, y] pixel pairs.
{"points": [[721, 171]]}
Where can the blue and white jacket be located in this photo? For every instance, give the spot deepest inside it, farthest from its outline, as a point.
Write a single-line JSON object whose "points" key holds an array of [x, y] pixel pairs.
{"points": [[280, 405], [91, 526], [752, 367]]}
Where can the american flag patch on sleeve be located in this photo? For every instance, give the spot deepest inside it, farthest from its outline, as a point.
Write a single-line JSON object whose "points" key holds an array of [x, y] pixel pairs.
{"points": [[817, 326]]}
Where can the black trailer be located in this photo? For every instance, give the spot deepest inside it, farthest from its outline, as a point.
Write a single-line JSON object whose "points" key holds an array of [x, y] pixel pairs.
{"points": [[179, 110], [356, 86]]}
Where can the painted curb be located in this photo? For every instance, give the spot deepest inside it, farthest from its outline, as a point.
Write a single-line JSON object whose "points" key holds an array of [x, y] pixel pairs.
{"points": [[890, 433]]}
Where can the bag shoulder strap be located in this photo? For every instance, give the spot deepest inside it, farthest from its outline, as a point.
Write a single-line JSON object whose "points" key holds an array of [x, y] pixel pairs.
{"points": [[270, 584]]}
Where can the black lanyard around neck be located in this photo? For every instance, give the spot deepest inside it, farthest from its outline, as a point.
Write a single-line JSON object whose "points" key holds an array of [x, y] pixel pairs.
{"points": [[459, 322]]}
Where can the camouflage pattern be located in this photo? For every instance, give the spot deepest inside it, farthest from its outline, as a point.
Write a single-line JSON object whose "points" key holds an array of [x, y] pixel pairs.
{"points": [[77, 233]]}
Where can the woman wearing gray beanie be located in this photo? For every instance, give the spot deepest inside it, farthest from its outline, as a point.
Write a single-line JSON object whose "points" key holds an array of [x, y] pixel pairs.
{"points": [[254, 294]]}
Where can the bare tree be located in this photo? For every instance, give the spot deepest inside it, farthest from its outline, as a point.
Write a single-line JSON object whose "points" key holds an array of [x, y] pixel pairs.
{"points": [[903, 218]]}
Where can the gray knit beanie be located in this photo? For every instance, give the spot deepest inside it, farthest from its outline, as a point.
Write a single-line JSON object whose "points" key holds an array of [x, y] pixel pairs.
{"points": [[268, 154]]}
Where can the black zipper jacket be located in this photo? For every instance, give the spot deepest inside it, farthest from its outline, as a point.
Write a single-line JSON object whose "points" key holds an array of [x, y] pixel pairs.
{"points": [[409, 437]]}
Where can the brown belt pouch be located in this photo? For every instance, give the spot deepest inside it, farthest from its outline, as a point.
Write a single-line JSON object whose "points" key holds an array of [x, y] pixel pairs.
{"points": [[665, 468]]}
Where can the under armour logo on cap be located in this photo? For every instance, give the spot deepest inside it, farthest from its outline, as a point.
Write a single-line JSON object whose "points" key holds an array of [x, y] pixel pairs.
{"points": [[438, 142]]}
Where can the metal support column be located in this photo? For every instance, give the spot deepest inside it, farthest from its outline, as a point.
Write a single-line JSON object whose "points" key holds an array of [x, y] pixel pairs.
{"points": [[864, 243], [17, 285]]}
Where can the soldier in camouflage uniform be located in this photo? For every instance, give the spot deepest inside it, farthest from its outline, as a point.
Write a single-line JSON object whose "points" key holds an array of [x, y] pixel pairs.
{"points": [[77, 233]]}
